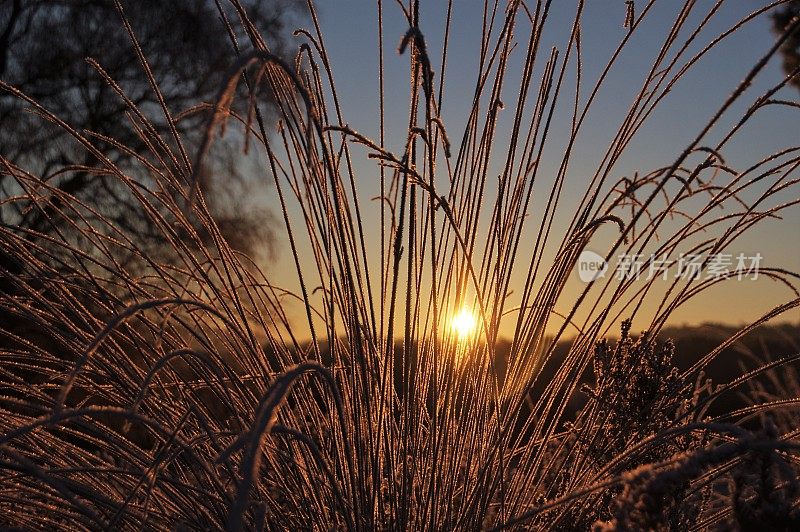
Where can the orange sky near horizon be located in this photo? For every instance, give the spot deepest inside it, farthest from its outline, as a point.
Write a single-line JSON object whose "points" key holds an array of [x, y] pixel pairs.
{"points": [[733, 302]]}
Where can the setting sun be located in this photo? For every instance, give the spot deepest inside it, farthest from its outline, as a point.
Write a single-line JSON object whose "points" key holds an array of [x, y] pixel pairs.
{"points": [[518, 293], [464, 324]]}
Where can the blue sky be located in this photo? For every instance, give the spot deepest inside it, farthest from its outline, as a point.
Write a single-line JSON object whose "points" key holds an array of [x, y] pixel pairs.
{"points": [[350, 33]]}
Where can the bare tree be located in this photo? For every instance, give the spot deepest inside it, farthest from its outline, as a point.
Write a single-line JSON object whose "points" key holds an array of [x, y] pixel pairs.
{"points": [[781, 19], [44, 46]]}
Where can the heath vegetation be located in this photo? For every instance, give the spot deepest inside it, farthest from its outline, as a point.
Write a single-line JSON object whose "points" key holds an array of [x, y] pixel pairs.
{"points": [[187, 386]]}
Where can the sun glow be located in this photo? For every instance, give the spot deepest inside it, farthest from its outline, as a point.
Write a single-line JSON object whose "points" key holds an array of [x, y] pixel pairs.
{"points": [[464, 324]]}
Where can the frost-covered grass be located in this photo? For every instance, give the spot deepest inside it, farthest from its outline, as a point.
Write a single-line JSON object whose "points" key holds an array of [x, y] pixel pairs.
{"points": [[187, 391]]}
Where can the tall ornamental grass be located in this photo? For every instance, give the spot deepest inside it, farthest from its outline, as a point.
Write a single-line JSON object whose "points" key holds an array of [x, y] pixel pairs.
{"points": [[193, 390]]}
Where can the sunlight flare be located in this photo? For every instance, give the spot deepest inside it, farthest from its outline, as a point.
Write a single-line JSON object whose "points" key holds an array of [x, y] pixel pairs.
{"points": [[464, 324]]}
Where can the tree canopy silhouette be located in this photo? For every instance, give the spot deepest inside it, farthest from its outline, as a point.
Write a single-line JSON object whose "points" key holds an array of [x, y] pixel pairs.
{"points": [[781, 19], [44, 47]]}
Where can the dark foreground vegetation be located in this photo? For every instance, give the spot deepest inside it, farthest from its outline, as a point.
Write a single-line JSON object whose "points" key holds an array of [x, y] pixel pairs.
{"points": [[154, 376]]}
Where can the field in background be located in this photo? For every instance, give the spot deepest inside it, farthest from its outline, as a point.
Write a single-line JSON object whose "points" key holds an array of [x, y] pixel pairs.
{"points": [[154, 375]]}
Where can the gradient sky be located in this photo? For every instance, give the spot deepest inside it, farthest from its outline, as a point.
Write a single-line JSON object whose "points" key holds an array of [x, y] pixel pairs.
{"points": [[350, 33]]}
